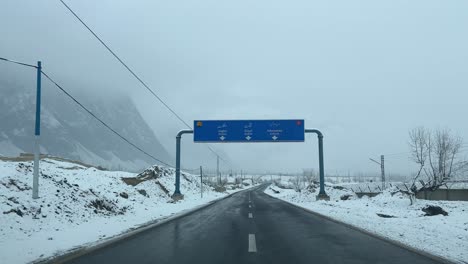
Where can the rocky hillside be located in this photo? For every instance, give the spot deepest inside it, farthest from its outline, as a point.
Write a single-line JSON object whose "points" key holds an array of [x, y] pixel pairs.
{"points": [[68, 131]]}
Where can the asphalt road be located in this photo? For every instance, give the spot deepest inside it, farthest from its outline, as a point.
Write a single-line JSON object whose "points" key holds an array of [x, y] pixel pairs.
{"points": [[251, 227]]}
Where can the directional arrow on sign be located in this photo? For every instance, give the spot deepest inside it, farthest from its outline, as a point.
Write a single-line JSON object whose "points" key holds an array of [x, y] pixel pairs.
{"points": [[222, 138], [274, 137], [248, 137]]}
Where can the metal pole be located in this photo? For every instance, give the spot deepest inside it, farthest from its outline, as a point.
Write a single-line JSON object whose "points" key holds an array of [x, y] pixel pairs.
{"points": [[382, 167], [177, 194], [218, 176], [322, 195], [37, 133], [201, 182]]}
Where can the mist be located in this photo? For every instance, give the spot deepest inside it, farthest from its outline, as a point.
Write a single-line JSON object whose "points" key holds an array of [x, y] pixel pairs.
{"points": [[363, 73]]}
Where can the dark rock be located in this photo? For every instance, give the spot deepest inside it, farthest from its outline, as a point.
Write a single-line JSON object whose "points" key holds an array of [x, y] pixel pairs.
{"points": [[143, 192], [386, 216], [431, 210], [13, 199], [338, 187], [345, 197], [17, 211], [124, 195], [275, 191], [220, 189]]}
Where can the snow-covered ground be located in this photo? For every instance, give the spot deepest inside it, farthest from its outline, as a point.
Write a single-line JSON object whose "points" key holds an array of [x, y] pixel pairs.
{"points": [[445, 236], [79, 206]]}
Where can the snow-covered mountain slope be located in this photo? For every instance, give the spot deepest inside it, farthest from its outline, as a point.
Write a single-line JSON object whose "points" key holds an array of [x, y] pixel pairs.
{"points": [[80, 205], [68, 131]]}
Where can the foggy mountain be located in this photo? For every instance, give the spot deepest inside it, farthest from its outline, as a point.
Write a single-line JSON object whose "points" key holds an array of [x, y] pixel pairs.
{"points": [[68, 131]]}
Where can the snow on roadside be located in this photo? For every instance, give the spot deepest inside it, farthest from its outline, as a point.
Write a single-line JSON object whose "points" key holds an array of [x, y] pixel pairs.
{"points": [[80, 205], [445, 236]]}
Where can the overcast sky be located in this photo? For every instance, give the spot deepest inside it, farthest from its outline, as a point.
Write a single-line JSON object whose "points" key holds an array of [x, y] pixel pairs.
{"points": [[363, 72]]}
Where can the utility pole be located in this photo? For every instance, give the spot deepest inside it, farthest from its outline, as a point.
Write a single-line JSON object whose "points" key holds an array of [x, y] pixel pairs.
{"points": [[382, 169], [37, 133], [201, 182], [218, 176]]}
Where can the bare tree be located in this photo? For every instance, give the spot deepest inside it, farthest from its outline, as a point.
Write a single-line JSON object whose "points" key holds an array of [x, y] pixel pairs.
{"points": [[436, 154], [418, 143], [443, 149]]}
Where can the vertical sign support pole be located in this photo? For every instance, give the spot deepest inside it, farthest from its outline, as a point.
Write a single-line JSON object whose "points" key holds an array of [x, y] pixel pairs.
{"points": [[177, 195], [37, 133], [201, 182], [322, 195]]}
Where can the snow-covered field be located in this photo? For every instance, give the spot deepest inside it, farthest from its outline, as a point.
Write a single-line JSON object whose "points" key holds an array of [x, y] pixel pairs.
{"points": [[445, 236], [79, 205]]}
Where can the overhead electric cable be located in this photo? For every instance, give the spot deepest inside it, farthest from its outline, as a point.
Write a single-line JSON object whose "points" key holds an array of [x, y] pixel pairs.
{"points": [[102, 122], [131, 71], [17, 62]]}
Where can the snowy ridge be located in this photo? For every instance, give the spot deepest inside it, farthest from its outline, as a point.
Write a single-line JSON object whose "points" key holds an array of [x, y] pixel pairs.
{"points": [[68, 131], [444, 236], [80, 205]]}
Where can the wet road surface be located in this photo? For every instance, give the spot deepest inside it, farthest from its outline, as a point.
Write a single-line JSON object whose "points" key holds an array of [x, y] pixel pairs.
{"points": [[251, 227]]}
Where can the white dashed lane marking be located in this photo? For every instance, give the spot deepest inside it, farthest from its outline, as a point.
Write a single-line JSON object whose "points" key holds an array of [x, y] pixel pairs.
{"points": [[250, 215], [252, 244]]}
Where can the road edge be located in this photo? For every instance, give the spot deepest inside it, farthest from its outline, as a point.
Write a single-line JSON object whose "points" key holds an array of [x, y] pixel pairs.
{"points": [[372, 234], [93, 246]]}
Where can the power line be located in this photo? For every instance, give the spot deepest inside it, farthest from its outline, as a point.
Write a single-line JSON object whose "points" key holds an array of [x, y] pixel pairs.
{"points": [[48, 77], [17, 62], [131, 71], [124, 64], [83, 107], [102, 122]]}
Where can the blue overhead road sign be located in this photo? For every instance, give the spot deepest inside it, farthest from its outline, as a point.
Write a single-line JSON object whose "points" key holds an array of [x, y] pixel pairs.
{"points": [[218, 131]]}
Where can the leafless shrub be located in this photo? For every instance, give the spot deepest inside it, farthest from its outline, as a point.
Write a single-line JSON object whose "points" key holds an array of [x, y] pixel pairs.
{"points": [[297, 183], [310, 176]]}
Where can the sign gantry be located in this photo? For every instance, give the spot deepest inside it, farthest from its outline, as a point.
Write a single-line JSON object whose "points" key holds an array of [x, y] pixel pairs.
{"points": [[250, 131]]}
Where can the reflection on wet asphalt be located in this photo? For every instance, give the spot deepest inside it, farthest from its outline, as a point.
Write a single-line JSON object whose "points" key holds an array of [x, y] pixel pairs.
{"points": [[224, 233]]}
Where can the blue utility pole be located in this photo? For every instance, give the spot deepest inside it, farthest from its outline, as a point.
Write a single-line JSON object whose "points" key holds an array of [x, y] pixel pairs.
{"points": [[37, 134]]}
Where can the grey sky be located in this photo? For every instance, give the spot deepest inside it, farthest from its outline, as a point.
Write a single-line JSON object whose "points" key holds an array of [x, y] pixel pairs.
{"points": [[364, 72]]}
